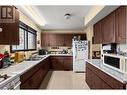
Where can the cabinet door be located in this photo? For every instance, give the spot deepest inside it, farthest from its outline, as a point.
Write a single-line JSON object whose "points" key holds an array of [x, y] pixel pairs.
{"points": [[68, 63], [97, 33], [68, 39], [26, 85], [82, 36], [10, 32], [59, 39], [108, 28], [53, 39], [97, 82], [47, 65], [105, 86], [45, 40], [36, 79], [88, 77], [121, 24], [57, 63]]}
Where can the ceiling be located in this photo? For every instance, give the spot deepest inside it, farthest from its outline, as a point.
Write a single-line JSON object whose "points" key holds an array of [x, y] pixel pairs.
{"points": [[54, 16]]}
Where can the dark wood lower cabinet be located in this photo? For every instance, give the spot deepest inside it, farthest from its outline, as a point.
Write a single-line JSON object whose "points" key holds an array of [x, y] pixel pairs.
{"points": [[97, 79], [61, 62], [33, 77]]}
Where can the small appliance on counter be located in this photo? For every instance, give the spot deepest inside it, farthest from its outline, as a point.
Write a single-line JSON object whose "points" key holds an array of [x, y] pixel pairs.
{"points": [[19, 57], [115, 62], [43, 52]]}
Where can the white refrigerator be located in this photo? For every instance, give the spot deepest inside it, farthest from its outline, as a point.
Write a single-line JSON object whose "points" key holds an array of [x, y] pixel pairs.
{"points": [[80, 54]]}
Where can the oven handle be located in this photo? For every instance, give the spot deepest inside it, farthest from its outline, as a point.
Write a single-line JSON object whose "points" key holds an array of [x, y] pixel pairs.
{"points": [[18, 85]]}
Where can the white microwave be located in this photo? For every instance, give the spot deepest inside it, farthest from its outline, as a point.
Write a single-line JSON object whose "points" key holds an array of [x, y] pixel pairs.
{"points": [[116, 62]]}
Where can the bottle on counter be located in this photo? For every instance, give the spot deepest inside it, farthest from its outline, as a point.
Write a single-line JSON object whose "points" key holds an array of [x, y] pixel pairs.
{"points": [[6, 59]]}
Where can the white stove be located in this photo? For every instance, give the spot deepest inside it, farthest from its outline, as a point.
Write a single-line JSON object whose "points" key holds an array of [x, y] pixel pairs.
{"points": [[9, 82]]}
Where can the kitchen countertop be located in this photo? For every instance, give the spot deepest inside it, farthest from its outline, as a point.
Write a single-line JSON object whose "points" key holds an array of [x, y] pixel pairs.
{"points": [[117, 74], [20, 68], [60, 54]]}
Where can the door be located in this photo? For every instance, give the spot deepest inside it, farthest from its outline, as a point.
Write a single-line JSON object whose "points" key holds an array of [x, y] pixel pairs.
{"points": [[121, 24], [108, 28]]}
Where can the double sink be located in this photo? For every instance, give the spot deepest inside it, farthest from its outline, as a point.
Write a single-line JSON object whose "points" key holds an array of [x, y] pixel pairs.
{"points": [[35, 58]]}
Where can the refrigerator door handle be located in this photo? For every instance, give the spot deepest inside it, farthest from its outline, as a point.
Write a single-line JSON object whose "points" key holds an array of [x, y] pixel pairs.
{"points": [[75, 53]]}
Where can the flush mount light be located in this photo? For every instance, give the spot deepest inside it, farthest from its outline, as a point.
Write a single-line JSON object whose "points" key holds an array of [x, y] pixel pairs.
{"points": [[34, 15], [67, 16]]}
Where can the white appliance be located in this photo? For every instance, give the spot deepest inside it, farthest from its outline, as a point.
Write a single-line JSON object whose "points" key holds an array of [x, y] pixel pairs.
{"points": [[115, 62], [80, 54], [10, 83]]}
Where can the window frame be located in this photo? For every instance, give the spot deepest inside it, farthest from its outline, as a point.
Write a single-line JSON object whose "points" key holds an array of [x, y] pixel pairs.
{"points": [[26, 29]]}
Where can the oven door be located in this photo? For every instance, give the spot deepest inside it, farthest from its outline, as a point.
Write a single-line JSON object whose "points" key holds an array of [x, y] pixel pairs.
{"points": [[112, 61], [17, 86]]}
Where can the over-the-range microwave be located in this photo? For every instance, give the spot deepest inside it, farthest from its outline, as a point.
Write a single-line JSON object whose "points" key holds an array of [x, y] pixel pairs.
{"points": [[116, 62]]}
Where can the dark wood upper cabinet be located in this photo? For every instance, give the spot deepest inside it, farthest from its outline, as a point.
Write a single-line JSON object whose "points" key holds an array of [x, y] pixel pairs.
{"points": [[82, 36], [45, 40], [112, 28], [108, 28], [121, 24], [60, 40], [55, 39], [10, 31], [97, 33], [68, 39]]}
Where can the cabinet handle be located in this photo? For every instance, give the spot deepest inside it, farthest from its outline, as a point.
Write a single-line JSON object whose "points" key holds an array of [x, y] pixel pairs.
{"points": [[1, 29]]}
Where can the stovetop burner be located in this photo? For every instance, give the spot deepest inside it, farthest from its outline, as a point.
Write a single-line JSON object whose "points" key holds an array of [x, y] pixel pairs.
{"points": [[3, 77]]}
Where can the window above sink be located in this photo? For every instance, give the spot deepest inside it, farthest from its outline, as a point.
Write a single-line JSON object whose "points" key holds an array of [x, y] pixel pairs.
{"points": [[27, 39]]}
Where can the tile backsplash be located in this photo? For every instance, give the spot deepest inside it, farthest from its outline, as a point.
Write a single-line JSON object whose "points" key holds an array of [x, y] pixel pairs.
{"points": [[58, 49], [123, 47]]}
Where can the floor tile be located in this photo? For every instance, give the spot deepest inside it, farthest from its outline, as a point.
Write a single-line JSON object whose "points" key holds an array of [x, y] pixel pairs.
{"points": [[64, 80]]}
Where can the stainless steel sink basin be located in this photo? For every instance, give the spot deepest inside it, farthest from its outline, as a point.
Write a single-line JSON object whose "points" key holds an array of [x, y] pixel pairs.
{"points": [[36, 58]]}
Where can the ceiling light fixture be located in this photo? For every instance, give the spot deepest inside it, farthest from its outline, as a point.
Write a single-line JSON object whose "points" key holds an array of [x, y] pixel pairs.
{"points": [[32, 13], [67, 16]]}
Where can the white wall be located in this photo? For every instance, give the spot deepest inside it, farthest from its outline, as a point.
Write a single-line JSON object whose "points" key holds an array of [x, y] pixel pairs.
{"points": [[93, 47]]}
